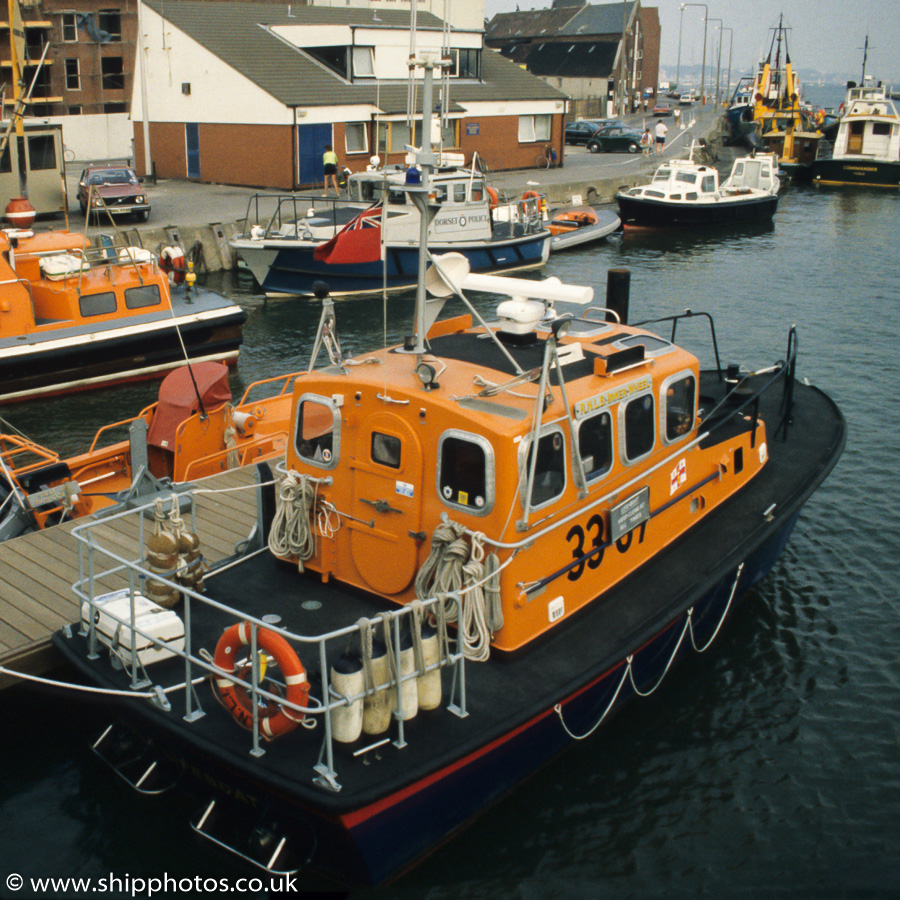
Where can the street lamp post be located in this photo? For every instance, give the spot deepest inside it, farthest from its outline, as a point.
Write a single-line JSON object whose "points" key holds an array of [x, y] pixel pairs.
{"points": [[730, 48], [678, 70], [719, 57], [703, 64]]}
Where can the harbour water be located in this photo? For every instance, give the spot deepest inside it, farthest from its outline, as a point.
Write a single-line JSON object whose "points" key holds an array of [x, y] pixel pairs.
{"points": [[767, 767]]}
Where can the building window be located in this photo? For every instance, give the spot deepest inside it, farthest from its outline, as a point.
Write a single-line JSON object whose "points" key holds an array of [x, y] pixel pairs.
{"points": [[110, 21], [363, 62], [73, 109], [534, 128], [42, 152], [5, 162], [73, 74], [356, 137], [113, 76], [114, 108], [466, 63], [69, 28]]}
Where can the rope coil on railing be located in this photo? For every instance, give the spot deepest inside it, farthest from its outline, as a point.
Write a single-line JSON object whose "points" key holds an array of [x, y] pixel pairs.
{"points": [[292, 533]]}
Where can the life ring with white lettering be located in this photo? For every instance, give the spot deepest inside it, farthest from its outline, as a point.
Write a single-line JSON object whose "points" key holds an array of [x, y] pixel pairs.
{"points": [[274, 720], [494, 198], [171, 261]]}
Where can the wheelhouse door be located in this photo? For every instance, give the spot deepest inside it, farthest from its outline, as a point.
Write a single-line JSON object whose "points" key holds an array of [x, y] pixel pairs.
{"points": [[388, 493]]}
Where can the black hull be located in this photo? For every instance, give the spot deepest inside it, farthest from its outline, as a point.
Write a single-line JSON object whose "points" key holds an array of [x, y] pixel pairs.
{"points": [[646, 212], [523, 709], [870, 173], [78, 358]]}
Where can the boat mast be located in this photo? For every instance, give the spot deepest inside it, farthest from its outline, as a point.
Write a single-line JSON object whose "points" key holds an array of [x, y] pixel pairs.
{"points": [[865, 58]]}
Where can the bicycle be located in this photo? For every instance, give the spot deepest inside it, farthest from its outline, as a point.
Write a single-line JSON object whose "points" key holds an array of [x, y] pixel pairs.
{"points": [[548, 159]]}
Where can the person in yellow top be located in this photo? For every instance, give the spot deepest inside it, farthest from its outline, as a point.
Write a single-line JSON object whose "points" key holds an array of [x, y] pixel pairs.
{"points": [[330, 166]]}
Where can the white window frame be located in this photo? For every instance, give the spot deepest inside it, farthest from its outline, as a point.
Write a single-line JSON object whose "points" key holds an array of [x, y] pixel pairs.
{"points": [[77, 62], [69, 13], [363, 126], [363, 59], [535, 128]]}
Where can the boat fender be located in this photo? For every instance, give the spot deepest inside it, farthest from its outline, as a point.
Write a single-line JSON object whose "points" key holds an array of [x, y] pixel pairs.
{"points": [[347, 679], [273, 722], [428, 684], [405, 697], [377, 704], [495, 200]]}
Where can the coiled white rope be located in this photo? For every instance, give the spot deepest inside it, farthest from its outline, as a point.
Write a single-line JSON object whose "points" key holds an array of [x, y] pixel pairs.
{"points": [[476, 634], [292, 533]]}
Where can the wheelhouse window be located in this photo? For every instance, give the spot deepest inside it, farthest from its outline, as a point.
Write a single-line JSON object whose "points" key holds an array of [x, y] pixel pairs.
{"points": [[534, 128], [145, 295], [678, 400], [97, 304], [318, 434], [595, 444], [386, 449], [708, 185], [550, 470], [636, 424], [465, 476]]}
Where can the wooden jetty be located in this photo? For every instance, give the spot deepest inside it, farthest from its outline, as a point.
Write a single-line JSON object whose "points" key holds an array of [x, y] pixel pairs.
{"points": [[37, 570]]}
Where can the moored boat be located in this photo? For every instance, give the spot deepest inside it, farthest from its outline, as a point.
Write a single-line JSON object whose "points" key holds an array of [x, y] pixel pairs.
{"points": [[866, 150], [193, 430], [370, 242], [74, 317], [498, 533], [685, 192], [579, 225]]}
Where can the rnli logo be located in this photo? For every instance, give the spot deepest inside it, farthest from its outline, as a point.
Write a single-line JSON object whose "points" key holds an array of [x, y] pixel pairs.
{"points": [[678, 477]]}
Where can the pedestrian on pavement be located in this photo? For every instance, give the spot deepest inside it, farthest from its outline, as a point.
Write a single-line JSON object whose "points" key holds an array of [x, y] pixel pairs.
{"points": [[661, 131], [330, 167], [646, 141]]}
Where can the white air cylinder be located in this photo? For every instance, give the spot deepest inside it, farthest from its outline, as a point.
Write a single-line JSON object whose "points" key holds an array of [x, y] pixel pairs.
{"points": [[377, 706], [347, 679], [407, 689], [428, 686]]}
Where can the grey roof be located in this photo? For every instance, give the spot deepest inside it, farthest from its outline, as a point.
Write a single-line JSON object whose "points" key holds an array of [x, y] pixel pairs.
{"points": [[532, 23], [564, 21], [572, 59], [232, 32], [595, 20]]}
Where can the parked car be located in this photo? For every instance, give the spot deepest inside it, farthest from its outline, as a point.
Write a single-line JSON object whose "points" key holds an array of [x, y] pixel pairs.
{"points": [[580, 132], [113, 189], [615, 139], [662, 110]]}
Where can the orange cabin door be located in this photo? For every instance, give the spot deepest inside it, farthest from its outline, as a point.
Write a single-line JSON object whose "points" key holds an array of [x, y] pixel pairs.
{"points": [[387, 491]]}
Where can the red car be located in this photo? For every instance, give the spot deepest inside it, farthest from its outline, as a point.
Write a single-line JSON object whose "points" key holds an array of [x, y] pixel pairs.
{"points": [[112, 189], [662, 109]]}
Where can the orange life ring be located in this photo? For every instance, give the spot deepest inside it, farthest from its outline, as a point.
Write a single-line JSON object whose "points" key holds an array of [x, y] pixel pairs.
{"points": [[528, 195], [236, 697], [495, 200]]}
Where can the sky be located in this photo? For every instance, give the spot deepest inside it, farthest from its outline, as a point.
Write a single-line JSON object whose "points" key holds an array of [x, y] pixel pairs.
{"points": [[825, 35]]}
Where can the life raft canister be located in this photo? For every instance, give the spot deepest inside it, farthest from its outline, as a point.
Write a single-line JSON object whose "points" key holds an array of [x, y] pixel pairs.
{"points": [[171, 261], [236, 697]]}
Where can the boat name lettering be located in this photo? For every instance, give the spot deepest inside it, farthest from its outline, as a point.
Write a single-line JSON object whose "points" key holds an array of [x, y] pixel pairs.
{"points": [[608, 398], [861, 169], [459, 221]]}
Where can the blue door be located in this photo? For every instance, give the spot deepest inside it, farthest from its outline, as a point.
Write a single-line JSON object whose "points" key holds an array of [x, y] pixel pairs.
{"points": [[311, 141], [192, 146]]}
